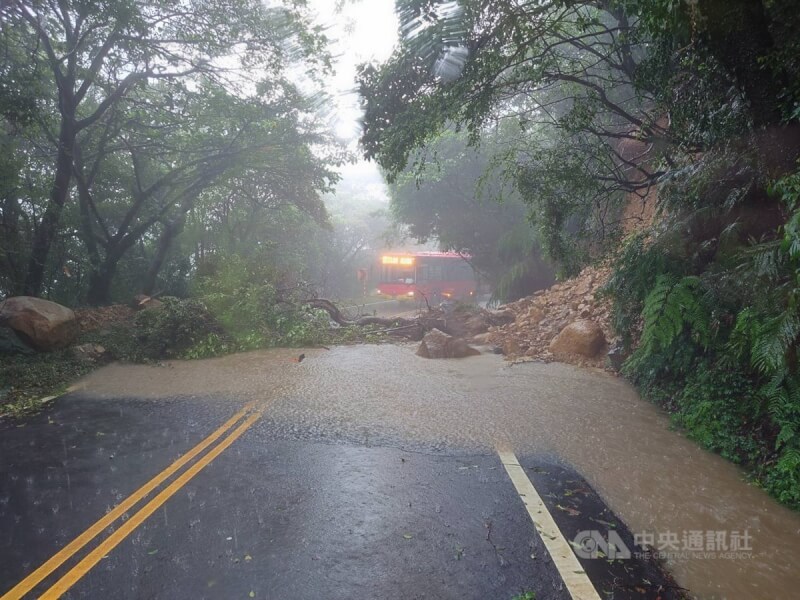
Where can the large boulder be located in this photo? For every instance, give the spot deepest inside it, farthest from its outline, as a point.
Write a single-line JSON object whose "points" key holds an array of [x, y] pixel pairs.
{"points": [[474, 325], [437, 344], [583, 337], [467, 320], [41, 324]]}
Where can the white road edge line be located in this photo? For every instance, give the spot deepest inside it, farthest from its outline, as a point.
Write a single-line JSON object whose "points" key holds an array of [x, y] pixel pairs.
{"points": [[575, 578]]}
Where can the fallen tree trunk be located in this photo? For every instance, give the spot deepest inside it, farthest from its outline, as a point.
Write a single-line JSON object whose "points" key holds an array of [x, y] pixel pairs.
{"points": [[413, 329]]}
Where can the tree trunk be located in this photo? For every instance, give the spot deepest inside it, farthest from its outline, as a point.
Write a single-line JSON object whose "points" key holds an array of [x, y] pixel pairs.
{"points": [[48, 227], [171, 231], [12, 248], [84, 200], [100, 281], [399, 326]]}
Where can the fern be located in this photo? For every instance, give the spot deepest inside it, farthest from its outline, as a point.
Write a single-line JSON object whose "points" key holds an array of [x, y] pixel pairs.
{"points": [[784, 479], [774, 341], [782, 394], [767, 259], [720, 350], [668, 309]]}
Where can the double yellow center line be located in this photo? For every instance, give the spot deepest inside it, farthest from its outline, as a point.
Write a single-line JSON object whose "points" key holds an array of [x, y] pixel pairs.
{"points": [[96, 555]]}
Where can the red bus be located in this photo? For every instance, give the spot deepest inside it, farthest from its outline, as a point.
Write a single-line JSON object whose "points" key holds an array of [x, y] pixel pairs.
{"points": [[435, 276]]}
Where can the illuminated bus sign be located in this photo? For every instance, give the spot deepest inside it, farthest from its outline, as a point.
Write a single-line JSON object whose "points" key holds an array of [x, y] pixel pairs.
{"points": [[397, 260]]}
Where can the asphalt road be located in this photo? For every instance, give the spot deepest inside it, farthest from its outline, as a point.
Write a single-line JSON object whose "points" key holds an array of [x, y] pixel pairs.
{"points": [[369, 472], [275, 517]]}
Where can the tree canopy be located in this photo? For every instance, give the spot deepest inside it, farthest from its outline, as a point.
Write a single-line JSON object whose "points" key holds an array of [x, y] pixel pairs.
{"points": [[122, 116]]}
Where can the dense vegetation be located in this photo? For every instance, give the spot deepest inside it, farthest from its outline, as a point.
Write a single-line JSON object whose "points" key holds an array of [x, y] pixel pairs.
{"points": [[144, 143], [692, 105]]}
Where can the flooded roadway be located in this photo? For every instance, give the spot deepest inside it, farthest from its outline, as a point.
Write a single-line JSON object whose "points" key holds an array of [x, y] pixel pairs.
{"points": [[385, 396]]}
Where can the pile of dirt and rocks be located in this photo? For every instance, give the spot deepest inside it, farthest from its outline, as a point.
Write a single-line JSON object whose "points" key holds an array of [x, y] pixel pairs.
{"points": [[103, 317], [566, 322]]}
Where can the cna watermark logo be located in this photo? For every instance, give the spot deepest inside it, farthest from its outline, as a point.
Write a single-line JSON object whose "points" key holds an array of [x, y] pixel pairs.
{"points": [[669, 545], [593, 544]]}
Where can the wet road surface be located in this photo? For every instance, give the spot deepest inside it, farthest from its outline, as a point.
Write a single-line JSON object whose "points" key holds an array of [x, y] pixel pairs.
{"points": [[368, 473]]}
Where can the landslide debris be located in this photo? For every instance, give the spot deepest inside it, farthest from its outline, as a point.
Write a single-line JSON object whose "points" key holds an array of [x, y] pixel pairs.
{"points": [[573, 305]]}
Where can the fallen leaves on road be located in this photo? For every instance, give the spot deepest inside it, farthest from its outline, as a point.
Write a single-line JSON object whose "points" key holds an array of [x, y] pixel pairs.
{"points": [[569, 510]]}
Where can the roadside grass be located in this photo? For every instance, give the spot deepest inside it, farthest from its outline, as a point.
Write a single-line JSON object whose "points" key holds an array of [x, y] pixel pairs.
{"points": [[26, 379]]}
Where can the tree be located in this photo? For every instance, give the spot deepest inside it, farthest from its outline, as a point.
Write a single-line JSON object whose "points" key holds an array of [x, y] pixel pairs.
{"points": [[597, 67], [567, 64], [147, 173], [96, 54], [359, 222], [268, 210], [460, 200], [744, 37], [610, 97]]}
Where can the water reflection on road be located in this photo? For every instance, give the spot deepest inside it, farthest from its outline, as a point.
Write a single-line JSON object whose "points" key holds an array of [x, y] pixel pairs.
{"points": [[654, 478]]}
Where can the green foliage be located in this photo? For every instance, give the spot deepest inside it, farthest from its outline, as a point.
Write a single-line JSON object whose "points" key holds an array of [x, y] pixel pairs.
{"points": [[670, 307], [304, 327], [523, 267], [113, 148], [719, 349], [239, 296], [211, 345], [639, 262], [26, 379], [783, 480], [172, 330], [244, 299], [591, 127], [561, 105], [560, 180], [459, 199], [233, 311], [721, 409]]}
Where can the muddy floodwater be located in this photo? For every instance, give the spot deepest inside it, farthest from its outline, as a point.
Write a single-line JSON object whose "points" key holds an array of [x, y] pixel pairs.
{"points": [[653, 478]]}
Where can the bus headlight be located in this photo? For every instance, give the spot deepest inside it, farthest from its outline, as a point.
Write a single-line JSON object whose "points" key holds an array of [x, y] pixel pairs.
{"points": [[411, 293]]}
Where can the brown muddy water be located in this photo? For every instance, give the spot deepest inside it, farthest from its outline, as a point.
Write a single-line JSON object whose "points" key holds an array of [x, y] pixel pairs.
{"points": [[652, 477]]}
